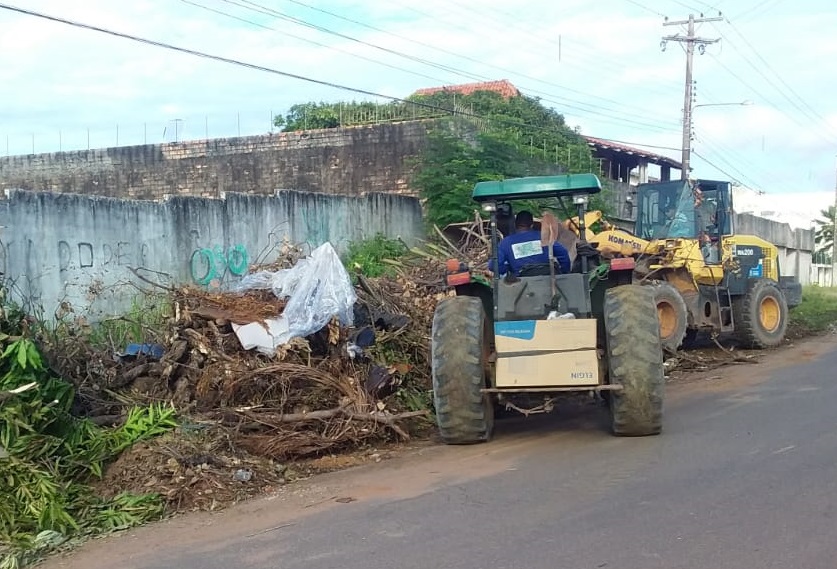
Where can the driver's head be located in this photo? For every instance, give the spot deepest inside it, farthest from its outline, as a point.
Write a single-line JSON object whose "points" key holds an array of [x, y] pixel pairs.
{"points": [[670, 211], [524, 220]]}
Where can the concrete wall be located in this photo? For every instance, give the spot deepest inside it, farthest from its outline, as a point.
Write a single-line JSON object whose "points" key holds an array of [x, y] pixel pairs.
{"points": [[352, 160], [83, 250]]}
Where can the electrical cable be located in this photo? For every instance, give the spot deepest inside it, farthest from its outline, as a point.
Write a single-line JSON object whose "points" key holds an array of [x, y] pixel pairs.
{"points": [[261, 68], [564, 101]]}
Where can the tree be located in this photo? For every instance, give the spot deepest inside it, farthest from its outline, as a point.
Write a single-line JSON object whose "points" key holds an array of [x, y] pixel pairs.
{"points": [[476, 137], [488, 137], [307, 116], [824, 234]]}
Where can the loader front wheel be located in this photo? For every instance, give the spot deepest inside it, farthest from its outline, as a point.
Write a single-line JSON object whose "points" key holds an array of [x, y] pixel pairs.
{"points": [[761, 315], [459, 350], [635, 361], [672, 313]]}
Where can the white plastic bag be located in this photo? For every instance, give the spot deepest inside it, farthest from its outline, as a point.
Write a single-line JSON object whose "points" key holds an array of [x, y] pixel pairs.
{"points": [[321, 289], [318, 288]]}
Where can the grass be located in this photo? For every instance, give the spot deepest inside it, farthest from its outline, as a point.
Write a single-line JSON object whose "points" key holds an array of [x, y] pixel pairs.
{"points": [[368, 256], [817, 313]]}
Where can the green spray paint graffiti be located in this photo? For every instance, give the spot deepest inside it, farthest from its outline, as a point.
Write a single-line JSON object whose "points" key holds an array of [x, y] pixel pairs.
{"points": [[207, 264]]}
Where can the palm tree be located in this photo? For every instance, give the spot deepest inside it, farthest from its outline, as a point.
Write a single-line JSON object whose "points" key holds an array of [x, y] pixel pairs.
{"points": [[824, 235]]}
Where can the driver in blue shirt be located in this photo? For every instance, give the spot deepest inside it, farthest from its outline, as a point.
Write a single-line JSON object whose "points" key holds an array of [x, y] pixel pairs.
{"points": [[524, 248]]}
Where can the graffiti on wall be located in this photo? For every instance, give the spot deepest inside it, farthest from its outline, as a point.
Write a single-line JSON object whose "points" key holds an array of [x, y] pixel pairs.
{"points": [[86, 255], [209, 264]]}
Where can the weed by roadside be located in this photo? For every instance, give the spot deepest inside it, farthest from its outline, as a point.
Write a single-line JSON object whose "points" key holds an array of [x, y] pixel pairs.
{"points": [[48, 457], [368, 256], [816, 314]]}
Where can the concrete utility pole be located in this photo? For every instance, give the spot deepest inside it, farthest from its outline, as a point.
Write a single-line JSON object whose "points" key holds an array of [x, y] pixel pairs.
{"points": [[690, 40]]}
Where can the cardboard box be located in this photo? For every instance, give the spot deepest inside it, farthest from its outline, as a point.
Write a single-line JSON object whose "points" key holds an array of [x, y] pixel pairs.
{"points": [[546, 353], [561, 369], [530, 336]]}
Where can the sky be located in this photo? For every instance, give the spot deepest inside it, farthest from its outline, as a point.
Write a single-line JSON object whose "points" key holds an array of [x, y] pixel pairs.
{"points": [[600, 64]]}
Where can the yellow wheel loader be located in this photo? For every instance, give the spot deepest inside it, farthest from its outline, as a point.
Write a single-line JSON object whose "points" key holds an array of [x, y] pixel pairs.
{"points": [[704, 275]]}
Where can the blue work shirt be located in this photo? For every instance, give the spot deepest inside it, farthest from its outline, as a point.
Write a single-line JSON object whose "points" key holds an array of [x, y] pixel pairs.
{"points": [[524, 248]]}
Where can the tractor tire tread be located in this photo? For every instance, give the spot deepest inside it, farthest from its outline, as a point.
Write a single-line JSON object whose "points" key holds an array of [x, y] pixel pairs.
{"points": [[463, 414], [635, 360]]}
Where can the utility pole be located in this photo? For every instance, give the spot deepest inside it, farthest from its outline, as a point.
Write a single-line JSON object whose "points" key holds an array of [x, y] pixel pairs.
{"points": [[690, 40], [834, 241]]}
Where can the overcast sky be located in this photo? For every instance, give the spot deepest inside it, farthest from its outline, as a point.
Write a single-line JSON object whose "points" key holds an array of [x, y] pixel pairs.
{"points": [[598, 63]]}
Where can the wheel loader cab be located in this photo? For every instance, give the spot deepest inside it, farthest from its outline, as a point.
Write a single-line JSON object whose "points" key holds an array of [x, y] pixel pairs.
{"points": [[682, 210]]}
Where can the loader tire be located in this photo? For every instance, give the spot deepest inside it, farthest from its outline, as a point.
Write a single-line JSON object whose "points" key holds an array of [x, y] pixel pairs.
{"points": [[761, 315], [672, 314], [635, 361], [459, 349]]}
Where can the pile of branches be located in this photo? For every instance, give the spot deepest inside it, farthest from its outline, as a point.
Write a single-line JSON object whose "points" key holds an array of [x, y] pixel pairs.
{"points": [[315, 395]]}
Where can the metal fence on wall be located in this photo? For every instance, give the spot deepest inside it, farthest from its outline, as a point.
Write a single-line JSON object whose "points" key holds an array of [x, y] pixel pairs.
{"points": [[249, 123]]}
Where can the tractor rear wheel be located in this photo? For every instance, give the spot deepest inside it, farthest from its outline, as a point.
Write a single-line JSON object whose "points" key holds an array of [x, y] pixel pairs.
{"points": [[761, 315], [672, 313], [459, 350], [635, 361]]}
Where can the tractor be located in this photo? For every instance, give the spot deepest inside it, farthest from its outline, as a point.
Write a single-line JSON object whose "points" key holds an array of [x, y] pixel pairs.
{"points": [[519, 342]]}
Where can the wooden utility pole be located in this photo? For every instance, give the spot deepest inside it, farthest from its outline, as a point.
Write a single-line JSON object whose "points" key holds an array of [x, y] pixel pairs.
{"points": [[690, 40]]}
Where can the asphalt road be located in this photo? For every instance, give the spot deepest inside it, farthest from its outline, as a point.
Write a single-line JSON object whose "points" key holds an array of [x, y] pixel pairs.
{"points": [[744, 476]]}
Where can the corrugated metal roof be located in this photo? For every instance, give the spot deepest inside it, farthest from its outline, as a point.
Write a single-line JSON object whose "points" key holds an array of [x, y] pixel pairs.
{"points": [[652, 157]]}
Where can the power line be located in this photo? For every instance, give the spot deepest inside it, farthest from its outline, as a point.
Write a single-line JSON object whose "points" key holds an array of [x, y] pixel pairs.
{"points": [[724, 172], [644, 7], [468, 58], [815, 118], [310, 41], [790, 89], [572, 104], [262, 68], [762, 7], [281, 15], [502, 28]]}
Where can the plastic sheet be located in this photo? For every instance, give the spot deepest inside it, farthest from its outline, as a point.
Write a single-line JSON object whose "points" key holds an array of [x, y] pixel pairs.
{"points": [[317, 287]]}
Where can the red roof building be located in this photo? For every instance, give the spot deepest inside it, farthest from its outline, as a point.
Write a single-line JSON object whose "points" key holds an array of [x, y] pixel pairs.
{"points": [[502, 87]]}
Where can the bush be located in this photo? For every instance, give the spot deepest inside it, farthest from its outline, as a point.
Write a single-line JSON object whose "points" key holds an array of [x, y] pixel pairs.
{"points": [[368, 257], [816, 314], [48, 457]]}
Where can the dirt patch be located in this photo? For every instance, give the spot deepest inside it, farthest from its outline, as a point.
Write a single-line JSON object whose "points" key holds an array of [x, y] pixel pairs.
{"points": [[194, 470]]}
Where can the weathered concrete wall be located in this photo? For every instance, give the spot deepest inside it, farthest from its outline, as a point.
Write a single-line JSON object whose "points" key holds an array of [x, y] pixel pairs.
{"points": [[352, 160], [84, 250]]}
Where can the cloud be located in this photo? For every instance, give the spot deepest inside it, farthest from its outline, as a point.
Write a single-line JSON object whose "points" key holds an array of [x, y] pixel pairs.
{"points": [[598, 63]]}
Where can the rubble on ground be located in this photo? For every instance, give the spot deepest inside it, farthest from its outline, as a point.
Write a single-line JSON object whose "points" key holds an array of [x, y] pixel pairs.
{"points": [[244, 413]]}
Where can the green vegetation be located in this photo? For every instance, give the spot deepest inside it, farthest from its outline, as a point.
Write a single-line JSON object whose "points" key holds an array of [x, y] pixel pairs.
{"points": [[305, 116], [474, 138], [816, 314], [369, 256], [49, 458], [824, 234]]}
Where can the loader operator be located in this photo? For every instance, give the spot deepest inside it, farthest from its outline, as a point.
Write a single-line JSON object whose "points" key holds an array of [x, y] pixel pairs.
{"points": [[524, 248]]}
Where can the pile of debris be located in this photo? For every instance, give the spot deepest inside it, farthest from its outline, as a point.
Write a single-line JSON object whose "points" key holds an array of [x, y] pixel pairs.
{"points": [[253, 388], [295, 364]]}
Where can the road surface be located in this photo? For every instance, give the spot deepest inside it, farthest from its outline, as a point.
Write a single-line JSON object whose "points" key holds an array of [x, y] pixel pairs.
{"points": [[744, 476]]}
